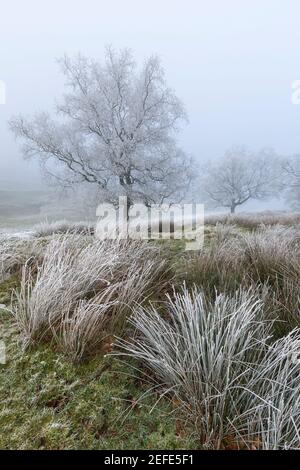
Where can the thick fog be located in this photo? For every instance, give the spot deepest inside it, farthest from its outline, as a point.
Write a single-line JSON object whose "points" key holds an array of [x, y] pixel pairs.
{"points": [[231, 62]]}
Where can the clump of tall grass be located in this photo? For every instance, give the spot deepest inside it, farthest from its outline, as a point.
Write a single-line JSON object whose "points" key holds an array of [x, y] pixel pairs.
{"points": [[217, 267], [14, 253], [269, 256], [84, 289], [269, 250], [46, 229], [224, 232], [216, 360], [272, 257]]}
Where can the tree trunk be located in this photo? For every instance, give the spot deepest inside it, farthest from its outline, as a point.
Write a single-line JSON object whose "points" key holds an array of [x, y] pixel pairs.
{"points": [[232, 208]]}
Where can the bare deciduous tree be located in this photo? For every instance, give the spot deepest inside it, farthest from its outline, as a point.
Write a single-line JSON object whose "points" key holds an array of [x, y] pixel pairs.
{"points": [[115, 129], [240, 176]]}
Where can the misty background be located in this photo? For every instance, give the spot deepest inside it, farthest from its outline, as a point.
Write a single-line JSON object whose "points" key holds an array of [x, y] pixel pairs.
{"points": [[232, 64]]}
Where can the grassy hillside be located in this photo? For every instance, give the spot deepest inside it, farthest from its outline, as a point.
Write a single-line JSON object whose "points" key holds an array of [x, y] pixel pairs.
{"points": [[209, 339], [48, 402]]}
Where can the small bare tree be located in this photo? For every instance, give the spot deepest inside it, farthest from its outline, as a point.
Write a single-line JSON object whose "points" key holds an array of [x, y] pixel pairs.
{"points": [[240, 176], [115, 129]]}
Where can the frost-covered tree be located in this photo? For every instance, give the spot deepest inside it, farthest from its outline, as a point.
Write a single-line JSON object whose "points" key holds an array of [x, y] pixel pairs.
{"points": [[240, 176], [115, 128]]}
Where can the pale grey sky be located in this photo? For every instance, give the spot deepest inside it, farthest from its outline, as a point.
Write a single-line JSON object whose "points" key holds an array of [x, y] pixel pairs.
{"points": [[232, 63]]}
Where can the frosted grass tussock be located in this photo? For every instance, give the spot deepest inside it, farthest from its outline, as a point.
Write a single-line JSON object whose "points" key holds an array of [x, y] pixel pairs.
{"points": [[224, 232], [45, 229], [276, 237], [236, 387], [90, 325], [80, 279], [269, 255], [272, 252], [14, 252]]}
